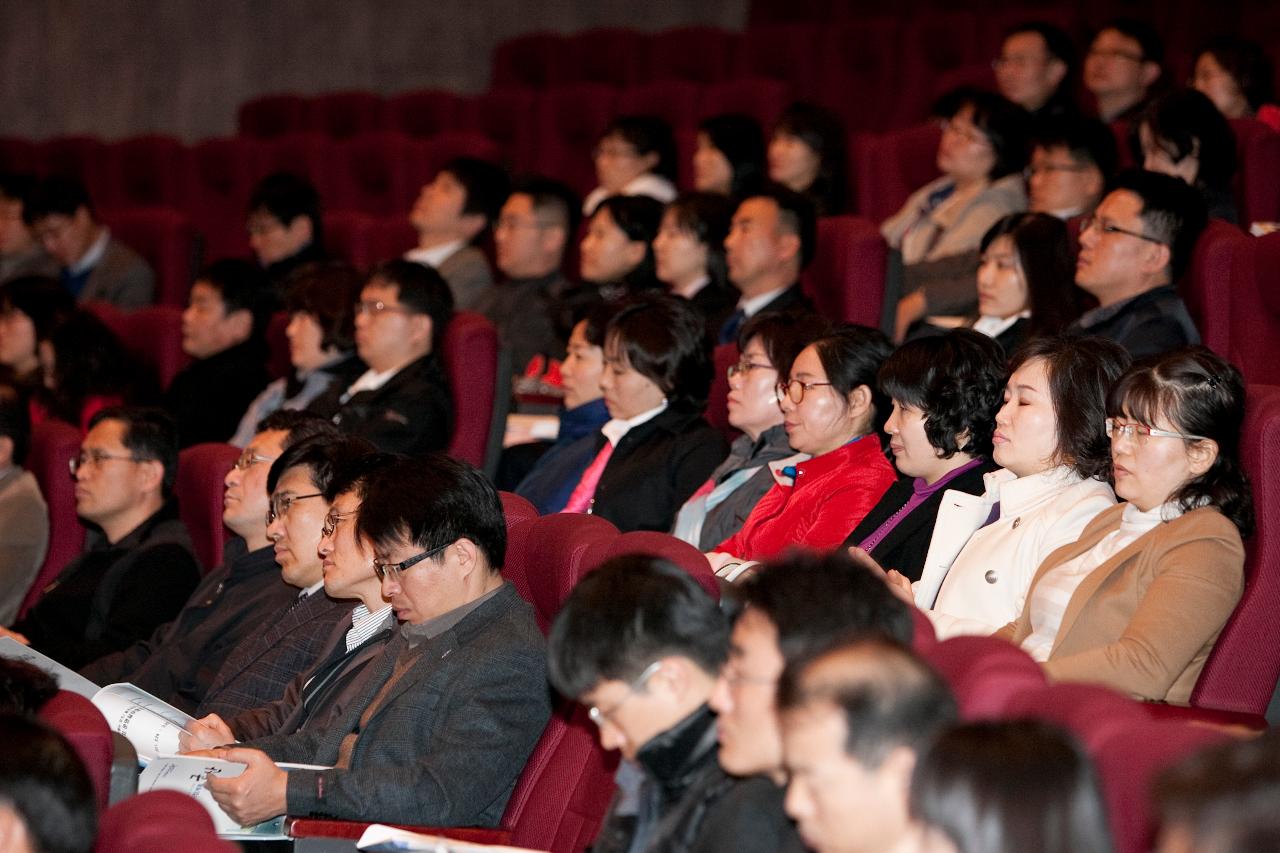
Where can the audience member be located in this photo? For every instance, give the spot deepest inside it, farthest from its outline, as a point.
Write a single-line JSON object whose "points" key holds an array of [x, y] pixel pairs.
{"points": [[1051, 445], [321, 337], [20, 252], [854, 721], [1238, 77], [29, 309], [552, 478], [636, 156], [24, 688], [85, 369], [181, 659], [772, 237], [1121, 68], [1035, 70], [451, 215], [223, 331], [991, 787], [402, 402], [453, 706], [533, 308], [1071, 162], [616, 253], [285, 227], [641, 643], [1181, 133], [807, 156], [981, 157], [138, 566], [1138, 601], [832, 410], [94, 265], [769, 344], [730, 156], [656, 449], [1133, 250], [47, 800], [689, 255], [945, 392], [24, 517]]}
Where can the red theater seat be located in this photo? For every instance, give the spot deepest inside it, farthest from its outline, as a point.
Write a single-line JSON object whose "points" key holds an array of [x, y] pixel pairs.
{"points": [[346, 235], [202, 468], [306, 154], [346, 114], [428, 156], [1210, 285], [167, 239], [608, 55], [652, 544], [20, 155], [84, 726], [893, 166], [696, 54], [846, 277], [159, 822], [221, 174], [568, 122], [673, 101], [145, 171], [424, 113], [762, 99], [528, 60], [153, 335], [783, 52], [505, 115], [984, 673], [717, 399], [390, 237], [53, 445], [1255, 312], [470, 354], [558, 551], [272, 115], [370, 174], [1258, 172], [82, 157]]}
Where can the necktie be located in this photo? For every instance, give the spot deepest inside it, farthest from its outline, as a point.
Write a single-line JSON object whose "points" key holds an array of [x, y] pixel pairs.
{"points": [[580, 500], [729, 331]]}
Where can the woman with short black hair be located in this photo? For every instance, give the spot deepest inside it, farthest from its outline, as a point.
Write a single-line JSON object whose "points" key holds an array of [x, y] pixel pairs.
{"points": [[690, 257], [616, 253], [729, 157], [807, 155]]}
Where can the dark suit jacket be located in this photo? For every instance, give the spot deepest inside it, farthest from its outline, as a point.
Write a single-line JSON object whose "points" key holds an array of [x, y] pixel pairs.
{"points": [[179, 661], [208, 396], [263, 663], [905, 547], [122, 278], [448, 742], [412, 413], [1148, 324], [468, 275], [655, 468]]}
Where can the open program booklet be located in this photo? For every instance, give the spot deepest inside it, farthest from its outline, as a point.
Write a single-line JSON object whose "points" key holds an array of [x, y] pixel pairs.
{"points": [[387, 839]]}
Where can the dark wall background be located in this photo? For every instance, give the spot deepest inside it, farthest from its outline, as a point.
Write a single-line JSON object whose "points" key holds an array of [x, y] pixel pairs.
{"points": [[181, 67]]}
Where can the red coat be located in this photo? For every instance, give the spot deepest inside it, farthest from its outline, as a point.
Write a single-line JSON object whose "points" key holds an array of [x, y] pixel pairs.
{"points": [[830, 495]]}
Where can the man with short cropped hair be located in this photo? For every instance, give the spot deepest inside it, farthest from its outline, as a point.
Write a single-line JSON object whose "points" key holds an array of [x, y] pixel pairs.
{"points": [[1034, 69], [285, 226], [1071, 162], [452, 213], [1121, 67], [854, 720], [20, 252]]}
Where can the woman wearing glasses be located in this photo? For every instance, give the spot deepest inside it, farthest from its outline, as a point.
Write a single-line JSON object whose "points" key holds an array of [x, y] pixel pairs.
{"points": [[832, 410], [769, 344], [1137, 602]]}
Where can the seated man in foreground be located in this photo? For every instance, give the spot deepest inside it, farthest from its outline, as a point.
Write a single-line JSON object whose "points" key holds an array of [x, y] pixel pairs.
{"points": [[454, 704]]}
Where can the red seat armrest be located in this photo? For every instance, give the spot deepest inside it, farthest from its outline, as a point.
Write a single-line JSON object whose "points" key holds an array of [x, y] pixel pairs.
{"points": [[308, 827]]}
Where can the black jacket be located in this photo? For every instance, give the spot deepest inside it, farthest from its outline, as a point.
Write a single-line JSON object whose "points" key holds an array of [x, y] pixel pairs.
{"points": [[906, 546], [655, 468], [1148, 324], [209, 396], [412, 413]]}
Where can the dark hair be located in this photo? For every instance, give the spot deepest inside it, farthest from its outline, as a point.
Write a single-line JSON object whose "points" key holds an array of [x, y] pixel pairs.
{"points": [[956, 381], [322, 453], [46, 783], [44, 300], [88, 361], [15, 422], [706, 216], [886, 694], [420, 289], [1247, 63], [150, 435], [286, 196], [648, 135], [796, 215], [1057, 44], [625, 615], [56, 195], [430, 502], [326, 292], [354, 465], [1141, 32], [1006, 126], [664, 339], [552, 199], [299, 425], [17, 187], [597, 316], [1010, 786], [824, 133], [816, 601], [1048, 266], [1185, 123], [851, 356], [1172, 212], [243, 286], [1199, 393], [783, 334], [739, 138], [1080, 370], [638, 217], [486, 186], [24, 688], [1087, 140]]}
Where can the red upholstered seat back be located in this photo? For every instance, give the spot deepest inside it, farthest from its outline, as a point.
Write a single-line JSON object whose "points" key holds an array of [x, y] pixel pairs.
{"points": [[470, 355], [893, 166], [761, 98], [221, 173], [370, 173], [346, 114], [159, 822], [667, 547], [568, 121], [84, 726], [1090, 712], [202, 468], [718, 398], [145, 171], [1257, 171], [53, 444], [697, 54], [1255, 312], [272, 115], [1209, 286], [424, 113], [166, 239], [519, 514], [559, 549], [153, 335], [82, 157], [984, 673], [846, 277]]}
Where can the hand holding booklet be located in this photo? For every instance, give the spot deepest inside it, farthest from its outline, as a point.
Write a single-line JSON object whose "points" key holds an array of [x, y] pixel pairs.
{"points": [[387, 839]]}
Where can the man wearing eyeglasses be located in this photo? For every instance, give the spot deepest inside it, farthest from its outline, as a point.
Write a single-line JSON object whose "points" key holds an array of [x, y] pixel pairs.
{"points": [[641, 643], [1071, 161], [1133, 250], [138, 566], [401, 403], [452, 708], [181, 658], [1123, 63]]}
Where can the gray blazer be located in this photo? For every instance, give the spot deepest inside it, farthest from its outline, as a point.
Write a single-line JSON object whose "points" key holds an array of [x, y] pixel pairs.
{"points": [[122, 278], [447, 744], [24, 538], [468, 274]]}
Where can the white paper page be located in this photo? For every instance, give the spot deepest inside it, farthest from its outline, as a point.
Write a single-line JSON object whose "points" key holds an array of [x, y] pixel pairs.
{"points": [[187, 774], [150, 724]]}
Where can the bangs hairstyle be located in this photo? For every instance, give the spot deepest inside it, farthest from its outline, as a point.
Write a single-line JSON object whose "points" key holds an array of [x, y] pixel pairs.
{"points": [[824, 134], [739, 138], [625, 615], [430, 502], [1185, 123], [638, 218], [1047, 263], [326, 293], [1198, 393], [647, 135], [1248, 65], [851, 356], [956, 381], [1080, 370], [664, 339], [1006, 126], [705, 217], [783, 334]]}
